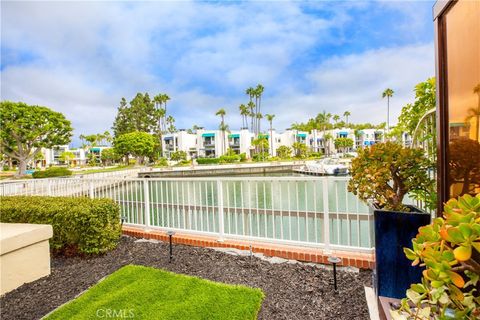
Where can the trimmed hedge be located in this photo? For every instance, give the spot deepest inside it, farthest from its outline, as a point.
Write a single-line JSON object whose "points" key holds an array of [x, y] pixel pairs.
{"points": [[81, 224], [229, 159], [52, 172], [208, 160]]}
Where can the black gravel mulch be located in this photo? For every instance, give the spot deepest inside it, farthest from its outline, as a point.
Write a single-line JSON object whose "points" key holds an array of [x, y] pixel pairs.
{"points": [[293, 291]]}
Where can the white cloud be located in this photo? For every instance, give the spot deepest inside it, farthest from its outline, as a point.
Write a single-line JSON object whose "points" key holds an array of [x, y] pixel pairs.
{"points": [[356, 82], [87, 55]]}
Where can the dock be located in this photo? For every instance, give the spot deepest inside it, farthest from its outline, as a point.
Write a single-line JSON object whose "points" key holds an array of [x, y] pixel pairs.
{"points": [[223, 170]]}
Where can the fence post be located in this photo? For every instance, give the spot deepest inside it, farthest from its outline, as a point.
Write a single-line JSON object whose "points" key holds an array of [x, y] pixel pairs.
{"points": [[91, 190], [49, 187], [220, 211], [326, 217], [146, 200]]}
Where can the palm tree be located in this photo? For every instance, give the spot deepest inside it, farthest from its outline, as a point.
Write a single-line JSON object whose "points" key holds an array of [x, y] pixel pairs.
{"points": [[251, 93], [258, 101], [388, 93], [251, 107], [346, 114], [270, 120], [336, 118], [165, 99], [326, 138], [244, 113], [221, 112], [475, 113]]}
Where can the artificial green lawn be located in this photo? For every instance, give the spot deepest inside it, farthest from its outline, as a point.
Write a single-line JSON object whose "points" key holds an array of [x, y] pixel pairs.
{"points": [[139, 292]]}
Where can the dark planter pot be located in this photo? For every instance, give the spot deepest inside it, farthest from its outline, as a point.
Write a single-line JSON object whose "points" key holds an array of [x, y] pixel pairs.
{"points": [[394, 231]]}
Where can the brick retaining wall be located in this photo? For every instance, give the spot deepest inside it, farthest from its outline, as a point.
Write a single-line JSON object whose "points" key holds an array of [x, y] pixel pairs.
{"points": [[352, 259]]}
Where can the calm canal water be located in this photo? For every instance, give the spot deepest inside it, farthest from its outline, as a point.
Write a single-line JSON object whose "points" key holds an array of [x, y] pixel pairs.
{"points": [[285, 207]]}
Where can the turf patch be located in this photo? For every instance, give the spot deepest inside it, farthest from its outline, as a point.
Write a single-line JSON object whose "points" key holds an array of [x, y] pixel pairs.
{"points": [[137, 292]]}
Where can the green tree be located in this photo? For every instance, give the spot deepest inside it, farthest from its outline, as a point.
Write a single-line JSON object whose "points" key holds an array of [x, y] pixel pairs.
{"points": [[336, 118], [25, 130], [300, 149], [244, 112], [284, 152], [66, 157], [425, 97], [260, 144], [251, 106], [138, 144], [388, 93], [178, 155], [270, 118], [258, 102], [346, 114], [221, 112], [326, 140], [109, 156], [140, 115], [343, 144], [92, 159], [96, 139]]}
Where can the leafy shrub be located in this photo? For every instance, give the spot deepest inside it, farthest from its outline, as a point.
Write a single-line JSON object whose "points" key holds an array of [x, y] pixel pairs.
{"points": [[284, 152], [449, 248], [274, 159], [386, 172], [161, 162], [83, 224], [315, 155], [178, 155], [260, 156], [300, 150], [6, 168], [208, 160], [52, 172], [229, 158], [243, 157]]}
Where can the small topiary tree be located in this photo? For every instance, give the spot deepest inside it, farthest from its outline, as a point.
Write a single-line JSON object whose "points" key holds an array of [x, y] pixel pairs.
{"points": [[449, 248], [386, 172]]}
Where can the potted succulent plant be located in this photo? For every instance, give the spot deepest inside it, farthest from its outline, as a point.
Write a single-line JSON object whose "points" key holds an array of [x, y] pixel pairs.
{"points": [[449, 249], [383, 175]]}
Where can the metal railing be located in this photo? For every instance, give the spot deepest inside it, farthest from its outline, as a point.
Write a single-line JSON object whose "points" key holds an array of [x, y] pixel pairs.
{"points": [[306, 211], [424, 137]]}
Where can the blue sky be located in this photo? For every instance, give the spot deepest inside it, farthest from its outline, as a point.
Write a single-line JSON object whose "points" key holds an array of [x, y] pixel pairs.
{"points": [[80, 58]]}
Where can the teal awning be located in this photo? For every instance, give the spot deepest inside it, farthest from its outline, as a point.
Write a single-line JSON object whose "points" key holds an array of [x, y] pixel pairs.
{"points": [[343, 133], [302, 135], [235, 135], [95, 149], [208, 135]]}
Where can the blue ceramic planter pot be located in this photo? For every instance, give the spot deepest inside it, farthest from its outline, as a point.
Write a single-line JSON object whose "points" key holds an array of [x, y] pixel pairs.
{"points": [[394, 231]]}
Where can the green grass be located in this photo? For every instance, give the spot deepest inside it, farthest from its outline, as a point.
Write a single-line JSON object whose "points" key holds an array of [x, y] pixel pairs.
{"points": [[139, 292], [117, 168]]}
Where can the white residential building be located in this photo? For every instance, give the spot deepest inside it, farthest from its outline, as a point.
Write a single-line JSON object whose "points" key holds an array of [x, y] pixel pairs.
{"points": [[211, 143], [180, 141], [52, 156]]}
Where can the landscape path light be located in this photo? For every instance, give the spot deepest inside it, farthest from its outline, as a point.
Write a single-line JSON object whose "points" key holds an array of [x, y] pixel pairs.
{"points": [[334, 261], [170, 235]]}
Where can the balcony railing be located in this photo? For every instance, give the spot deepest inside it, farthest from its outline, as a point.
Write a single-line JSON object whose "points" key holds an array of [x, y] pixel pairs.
{"points": [[305, 211]]}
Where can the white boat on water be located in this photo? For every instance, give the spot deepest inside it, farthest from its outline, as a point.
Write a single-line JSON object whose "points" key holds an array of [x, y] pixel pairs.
{"points": [[326, 166]]}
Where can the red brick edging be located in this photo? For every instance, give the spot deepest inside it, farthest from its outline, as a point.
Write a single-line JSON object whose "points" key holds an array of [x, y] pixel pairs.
{"points": [[352, 259]]}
